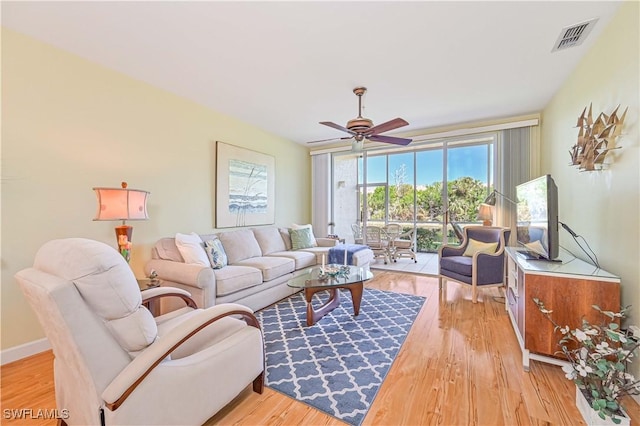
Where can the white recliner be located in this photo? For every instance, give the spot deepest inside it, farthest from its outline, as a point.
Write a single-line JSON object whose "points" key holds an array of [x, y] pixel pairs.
{"points": [[116, 364]]}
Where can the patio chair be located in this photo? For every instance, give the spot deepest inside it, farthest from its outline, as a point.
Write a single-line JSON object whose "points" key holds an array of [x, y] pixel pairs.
{"points": [[356, 228], [405, 245], [389, 233], [377, 243]]}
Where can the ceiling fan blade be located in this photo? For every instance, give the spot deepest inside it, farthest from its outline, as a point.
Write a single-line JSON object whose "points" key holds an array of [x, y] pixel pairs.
{"points": [[385, 127], [389, 139], [336, 126], [332, 139], [325, 140]]}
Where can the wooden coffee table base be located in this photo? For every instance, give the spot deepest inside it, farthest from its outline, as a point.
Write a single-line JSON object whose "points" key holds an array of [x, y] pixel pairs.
{"points": [[313, 315]]}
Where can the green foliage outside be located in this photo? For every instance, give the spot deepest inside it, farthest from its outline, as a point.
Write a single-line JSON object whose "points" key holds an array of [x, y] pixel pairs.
{"points": [[464, 194]]}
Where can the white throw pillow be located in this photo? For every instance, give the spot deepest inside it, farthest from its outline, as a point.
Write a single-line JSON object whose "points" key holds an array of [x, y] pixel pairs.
{"points": [[296, 226], [191, 248]]}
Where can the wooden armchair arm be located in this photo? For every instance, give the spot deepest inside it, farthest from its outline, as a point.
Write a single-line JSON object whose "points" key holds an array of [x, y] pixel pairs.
{"points": [[489, 267], [446, 250], [132, 375], [159, 292]]}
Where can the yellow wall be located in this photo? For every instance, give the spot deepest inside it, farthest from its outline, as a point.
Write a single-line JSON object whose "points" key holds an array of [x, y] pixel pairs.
{"points": [[602, 206], [69, 125]]}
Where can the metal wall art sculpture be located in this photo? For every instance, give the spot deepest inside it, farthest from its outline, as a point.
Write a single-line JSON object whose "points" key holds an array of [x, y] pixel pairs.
{"points": [[596, 138]]}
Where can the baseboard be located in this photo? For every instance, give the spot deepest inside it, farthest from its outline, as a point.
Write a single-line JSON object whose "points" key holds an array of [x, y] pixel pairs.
{"points": [[22, 351]]}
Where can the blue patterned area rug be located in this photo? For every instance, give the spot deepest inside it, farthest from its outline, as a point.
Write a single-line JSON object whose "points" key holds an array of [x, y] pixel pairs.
{"points": [[338, 364]]}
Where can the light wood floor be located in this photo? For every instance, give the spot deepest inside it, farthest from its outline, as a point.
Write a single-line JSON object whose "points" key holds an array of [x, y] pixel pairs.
{"points": [[460, 365]]}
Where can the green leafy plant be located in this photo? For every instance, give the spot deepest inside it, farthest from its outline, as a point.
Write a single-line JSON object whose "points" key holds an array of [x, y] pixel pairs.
{"points": [[599, 356]]}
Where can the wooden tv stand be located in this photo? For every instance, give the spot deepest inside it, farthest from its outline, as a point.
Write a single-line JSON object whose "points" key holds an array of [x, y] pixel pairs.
{"points": [[568, 288]]}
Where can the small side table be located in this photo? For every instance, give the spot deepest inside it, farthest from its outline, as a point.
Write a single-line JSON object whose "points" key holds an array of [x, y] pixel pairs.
{"points": [[146, 284]]}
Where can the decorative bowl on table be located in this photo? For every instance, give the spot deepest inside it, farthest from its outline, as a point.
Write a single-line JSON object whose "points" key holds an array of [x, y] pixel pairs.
{"points": [[332, 271]]}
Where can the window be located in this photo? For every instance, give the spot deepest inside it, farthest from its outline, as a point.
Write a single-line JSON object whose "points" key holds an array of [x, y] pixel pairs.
{"points": [[405, 186]]}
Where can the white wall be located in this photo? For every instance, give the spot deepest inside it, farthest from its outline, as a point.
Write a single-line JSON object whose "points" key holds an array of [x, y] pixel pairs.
{"points": [[602, 206], [69, 125], [345, 198]]}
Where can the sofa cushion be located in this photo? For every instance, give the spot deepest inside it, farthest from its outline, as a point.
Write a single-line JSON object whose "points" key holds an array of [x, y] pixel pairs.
{"points": [[271, 267], [235, 278], [207, 237], [216, 253], [302, 259], [240, 245], [167, 250], [302, 238], [286, 237], [269, 240], [458, 264], [191, 248], [318, 252]]}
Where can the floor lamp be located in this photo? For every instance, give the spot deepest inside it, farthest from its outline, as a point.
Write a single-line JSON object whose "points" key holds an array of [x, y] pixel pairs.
{"points": [[485, 211], [122, 204]]}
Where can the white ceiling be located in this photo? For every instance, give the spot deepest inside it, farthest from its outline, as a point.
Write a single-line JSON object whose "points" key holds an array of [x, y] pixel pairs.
{"points": [[284, 66]]}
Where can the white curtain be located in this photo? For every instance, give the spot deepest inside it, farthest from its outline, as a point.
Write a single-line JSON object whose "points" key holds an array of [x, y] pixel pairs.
{"points": [[514, 168], [320, 193]]}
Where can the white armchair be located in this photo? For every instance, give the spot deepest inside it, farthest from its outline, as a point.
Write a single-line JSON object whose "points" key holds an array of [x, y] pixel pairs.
{"points": [[115, 363]]}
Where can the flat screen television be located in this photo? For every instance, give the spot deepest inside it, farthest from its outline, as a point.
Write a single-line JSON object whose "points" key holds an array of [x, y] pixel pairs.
{"points": [[537, 218]]}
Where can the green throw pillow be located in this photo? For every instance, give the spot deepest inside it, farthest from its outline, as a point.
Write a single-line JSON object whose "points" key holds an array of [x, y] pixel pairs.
{"points": [[302, 238], [216, 253], [474, 247]]}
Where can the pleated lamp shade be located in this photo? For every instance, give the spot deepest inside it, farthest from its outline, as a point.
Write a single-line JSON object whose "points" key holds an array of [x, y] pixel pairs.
{"points": [[122, 204]]}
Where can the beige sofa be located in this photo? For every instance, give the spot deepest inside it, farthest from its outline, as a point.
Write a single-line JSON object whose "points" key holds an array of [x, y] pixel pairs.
{"points": [[260, 263]]}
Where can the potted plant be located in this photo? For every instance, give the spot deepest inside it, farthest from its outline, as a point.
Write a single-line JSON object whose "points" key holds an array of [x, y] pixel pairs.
{"points": [[599, 356]]}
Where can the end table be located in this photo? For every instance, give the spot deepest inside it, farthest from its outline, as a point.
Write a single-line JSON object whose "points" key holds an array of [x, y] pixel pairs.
{"points": [[146, 284]]}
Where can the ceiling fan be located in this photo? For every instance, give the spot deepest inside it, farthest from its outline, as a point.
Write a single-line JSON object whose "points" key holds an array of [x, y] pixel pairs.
{"points": [[361, 128]]}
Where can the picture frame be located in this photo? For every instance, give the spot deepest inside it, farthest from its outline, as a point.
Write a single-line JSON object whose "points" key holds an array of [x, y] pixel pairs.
{"points": [[245, 187]]}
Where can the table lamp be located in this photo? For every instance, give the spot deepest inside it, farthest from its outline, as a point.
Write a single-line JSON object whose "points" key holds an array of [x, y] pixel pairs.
{"points": [[122, 204], [485, 213]]}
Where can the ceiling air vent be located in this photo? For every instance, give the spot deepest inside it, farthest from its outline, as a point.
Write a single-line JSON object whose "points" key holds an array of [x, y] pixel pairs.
{"points": [[574, 35]]}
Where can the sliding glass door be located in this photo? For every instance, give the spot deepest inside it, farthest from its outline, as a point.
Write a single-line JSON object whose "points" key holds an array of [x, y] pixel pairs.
{"points": [[427, 187], [469, 177], [429, 164]]}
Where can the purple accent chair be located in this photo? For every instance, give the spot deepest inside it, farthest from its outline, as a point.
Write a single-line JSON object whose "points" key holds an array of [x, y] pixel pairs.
{"points": [[480, 270]]}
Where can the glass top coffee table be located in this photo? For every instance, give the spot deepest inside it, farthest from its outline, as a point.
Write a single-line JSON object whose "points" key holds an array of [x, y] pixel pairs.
{"points": [[351, 278]]}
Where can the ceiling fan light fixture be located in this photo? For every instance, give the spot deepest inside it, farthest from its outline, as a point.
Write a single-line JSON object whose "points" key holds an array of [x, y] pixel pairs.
{"points": [[357, 145]]}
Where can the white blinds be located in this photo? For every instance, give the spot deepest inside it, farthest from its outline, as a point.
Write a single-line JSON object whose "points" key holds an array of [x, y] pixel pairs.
{"points": [[320, 193], [514, 168]]}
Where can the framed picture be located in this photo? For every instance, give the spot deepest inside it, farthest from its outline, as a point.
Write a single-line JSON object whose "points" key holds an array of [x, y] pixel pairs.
{"points": [[245, 187]]}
